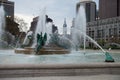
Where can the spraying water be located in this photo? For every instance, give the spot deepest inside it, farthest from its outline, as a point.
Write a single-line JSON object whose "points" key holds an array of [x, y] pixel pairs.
{"points": [[2, 26], [41, 25], [49, 31], [27, 40], [88, 37], [2, 20], [6, 38], [80, 23], [80, 29]]}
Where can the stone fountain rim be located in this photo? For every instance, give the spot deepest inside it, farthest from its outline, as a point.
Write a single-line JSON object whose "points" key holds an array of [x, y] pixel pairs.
{"points": [[60, 66]]}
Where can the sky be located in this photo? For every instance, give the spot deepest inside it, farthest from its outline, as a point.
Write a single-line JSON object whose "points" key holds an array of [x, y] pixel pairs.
{"points": [[55, 9]]}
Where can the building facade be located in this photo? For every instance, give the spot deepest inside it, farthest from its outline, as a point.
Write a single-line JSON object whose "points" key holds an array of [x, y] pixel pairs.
{"points": [[12, 32], [11, 25], [54, 29], [105, 31], [90, 9], [34, 24], [65, 27], [109, 8], [8, 7]]}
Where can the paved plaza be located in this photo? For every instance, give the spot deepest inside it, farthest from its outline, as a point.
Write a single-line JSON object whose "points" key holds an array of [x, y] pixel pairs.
{"points": [[94, 77]]}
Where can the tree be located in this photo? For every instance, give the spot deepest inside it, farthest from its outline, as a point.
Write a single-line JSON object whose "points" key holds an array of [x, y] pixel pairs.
{"points": [[22, 24], [22, 27]]}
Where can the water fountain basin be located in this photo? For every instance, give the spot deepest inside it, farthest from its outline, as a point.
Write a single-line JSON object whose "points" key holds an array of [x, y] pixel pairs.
{"points": [[45, 50], [24, 50]]}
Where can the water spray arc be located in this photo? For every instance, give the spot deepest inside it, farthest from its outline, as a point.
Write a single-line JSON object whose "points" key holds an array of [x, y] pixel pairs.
{"points": [[80, 33]]}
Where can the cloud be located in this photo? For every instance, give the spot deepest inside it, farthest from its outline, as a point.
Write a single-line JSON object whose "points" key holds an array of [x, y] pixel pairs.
{"points": [[56, 9], [27, 18]]}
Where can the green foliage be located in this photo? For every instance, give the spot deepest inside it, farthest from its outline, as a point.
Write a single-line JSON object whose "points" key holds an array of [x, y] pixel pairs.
{"points": [[101, 42]]}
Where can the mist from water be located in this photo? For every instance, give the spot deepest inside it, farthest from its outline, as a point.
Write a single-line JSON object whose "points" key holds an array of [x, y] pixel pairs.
{"points": [[80, 24], [79, 30], [89, 38], [6, 38], [49, 31], [43, 27], [26, 40], [2, 20]]}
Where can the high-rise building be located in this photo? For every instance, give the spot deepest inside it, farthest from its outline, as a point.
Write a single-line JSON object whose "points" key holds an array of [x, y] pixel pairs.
{"points": [[109, 8], [8, 7], [90, 9], [11, 25], [65, 27], [105, 31], [35, 21], [54, 29]]}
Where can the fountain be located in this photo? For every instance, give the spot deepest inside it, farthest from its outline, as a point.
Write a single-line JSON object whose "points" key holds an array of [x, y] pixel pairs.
{"points": [[80, 24], [59, 44], [80, 33], [2, 25], [27, 38], [76, 63], [6, 38], [41, 41]]}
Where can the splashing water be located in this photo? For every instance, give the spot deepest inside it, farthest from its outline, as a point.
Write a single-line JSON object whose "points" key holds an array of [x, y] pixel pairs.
{"points": [[49, 31], [41, 25], [80, 30], [6, 38], [88, 37], [26, 40], [2, 20], [80, 23]]}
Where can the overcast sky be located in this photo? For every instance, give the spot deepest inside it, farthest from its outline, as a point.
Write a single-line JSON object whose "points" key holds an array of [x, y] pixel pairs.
{"points": [[55, 9]]}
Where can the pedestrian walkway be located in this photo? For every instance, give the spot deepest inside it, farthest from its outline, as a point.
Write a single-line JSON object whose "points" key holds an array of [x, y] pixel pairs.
{"points": [[93, 77]]}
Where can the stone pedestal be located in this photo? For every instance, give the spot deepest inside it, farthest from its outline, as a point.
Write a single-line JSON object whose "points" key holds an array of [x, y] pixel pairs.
{"points": [[51, 49]]}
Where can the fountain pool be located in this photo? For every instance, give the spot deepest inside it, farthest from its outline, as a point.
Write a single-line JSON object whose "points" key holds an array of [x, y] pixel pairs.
{"points": [[91, 56], [79, 32]]}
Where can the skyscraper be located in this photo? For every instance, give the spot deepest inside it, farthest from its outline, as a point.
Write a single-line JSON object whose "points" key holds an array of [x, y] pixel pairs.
{"points": [[109, 8], [8, 7], [90, 8], [35, 21], [65, 27]]}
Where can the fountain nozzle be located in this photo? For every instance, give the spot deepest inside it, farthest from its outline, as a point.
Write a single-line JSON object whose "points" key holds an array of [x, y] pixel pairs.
{"points": [[108, 57]]}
